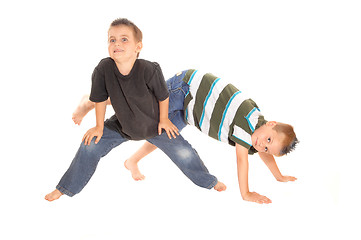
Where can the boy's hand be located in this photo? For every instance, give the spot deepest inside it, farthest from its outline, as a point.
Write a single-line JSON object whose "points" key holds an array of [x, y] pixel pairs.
{"points": [[169, 127], [286, 179], [257, 198], [91, 133]]}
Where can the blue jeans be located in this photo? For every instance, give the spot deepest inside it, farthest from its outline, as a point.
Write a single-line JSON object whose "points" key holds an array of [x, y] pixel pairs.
{"points": [[178, 150], [177, 90]]}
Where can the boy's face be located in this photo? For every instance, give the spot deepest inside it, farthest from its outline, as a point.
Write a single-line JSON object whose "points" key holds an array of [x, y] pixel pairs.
{"points": [[122, 46], [267, 140]]}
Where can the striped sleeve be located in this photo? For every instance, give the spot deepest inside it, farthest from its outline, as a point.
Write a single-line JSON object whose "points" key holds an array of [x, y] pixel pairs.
{"points": [[249, 118]]}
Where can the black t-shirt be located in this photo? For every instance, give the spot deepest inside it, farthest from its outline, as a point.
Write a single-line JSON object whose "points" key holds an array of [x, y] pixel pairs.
{"points": [[134, 97]]}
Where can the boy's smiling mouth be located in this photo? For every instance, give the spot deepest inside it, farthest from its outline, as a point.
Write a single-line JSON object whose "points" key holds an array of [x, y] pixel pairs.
{"points": [[118, 50]]}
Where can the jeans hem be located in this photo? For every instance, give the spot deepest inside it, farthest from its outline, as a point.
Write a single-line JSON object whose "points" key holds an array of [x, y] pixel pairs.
{"points": [[64, 191], [214, 183]]}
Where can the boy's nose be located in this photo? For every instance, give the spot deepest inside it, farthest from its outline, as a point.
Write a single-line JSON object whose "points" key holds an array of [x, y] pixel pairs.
{"points": [[117, 43]]}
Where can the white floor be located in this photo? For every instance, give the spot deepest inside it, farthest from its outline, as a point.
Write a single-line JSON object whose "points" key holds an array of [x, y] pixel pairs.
{"points": [[299, 61]]}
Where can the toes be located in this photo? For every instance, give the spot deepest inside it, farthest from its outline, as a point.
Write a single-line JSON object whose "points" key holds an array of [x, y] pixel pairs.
{"points": [[139, 177]]}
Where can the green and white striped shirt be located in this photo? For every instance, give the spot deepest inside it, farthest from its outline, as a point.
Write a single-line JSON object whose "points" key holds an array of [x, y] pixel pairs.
{"points": [[220, 110]]}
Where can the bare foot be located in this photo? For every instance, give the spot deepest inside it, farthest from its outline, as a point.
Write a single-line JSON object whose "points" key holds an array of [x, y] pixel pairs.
{"points": [[83, 108], [133, 168], [220, 187], [53, 195]]}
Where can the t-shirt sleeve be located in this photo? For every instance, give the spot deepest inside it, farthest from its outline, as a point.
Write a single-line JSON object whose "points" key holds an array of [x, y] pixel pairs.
{"points": [[158, 85], [98, 92], [241, 137]]}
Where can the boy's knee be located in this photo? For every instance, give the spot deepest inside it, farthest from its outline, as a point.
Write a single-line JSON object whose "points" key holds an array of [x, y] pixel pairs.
{"points": [[189, 159], [90, 149], [185, 155]]}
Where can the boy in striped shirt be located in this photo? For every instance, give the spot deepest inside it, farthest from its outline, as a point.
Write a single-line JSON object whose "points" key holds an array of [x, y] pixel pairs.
{"points": [[221, 111]]}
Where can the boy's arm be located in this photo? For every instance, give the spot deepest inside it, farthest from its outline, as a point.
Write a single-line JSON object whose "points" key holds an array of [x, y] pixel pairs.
{"points": [[242, 169], [269, 160], [96, 131], [164, 122]]}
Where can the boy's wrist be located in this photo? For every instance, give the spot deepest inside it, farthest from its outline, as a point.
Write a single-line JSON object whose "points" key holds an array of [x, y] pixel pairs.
{"points": [[161, 119]]}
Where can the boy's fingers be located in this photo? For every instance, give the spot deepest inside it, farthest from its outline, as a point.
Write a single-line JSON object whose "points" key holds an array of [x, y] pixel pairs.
{"points": [[176, 131], [175, 128], [89, 138], [169, 134], [84, 137], [172, 132], [98, 139], [174, 136]]}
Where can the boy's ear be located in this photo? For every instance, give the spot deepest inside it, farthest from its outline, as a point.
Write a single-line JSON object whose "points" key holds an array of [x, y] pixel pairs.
{"points": [[271, 123], [139, 47]]}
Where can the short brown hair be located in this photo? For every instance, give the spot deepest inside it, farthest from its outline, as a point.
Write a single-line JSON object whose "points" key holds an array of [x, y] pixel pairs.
{"points": [[289, 141], [138, 35]]}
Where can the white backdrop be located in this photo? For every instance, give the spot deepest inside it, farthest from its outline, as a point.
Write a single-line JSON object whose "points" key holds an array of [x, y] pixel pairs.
{"points": [[299, 60]]}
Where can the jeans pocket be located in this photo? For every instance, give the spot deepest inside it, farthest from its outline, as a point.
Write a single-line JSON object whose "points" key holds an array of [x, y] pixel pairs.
{"points": [[176, 100]]}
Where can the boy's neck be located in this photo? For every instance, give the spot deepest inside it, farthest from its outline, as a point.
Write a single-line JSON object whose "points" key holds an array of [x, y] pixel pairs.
{"points": [[125, 67]]}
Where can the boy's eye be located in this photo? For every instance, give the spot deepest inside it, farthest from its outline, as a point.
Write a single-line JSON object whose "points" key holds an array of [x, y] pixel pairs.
{"points": [[112, 40], [124, 39], [269, 140], [266, 149]]}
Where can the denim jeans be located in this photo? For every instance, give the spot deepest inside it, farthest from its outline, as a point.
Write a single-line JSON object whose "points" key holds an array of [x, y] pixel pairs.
{"points": [[177, 149], [177, 90]]}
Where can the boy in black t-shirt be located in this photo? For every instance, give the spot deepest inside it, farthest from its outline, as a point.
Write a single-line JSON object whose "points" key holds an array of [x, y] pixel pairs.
{"points": [[140, 98]]}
